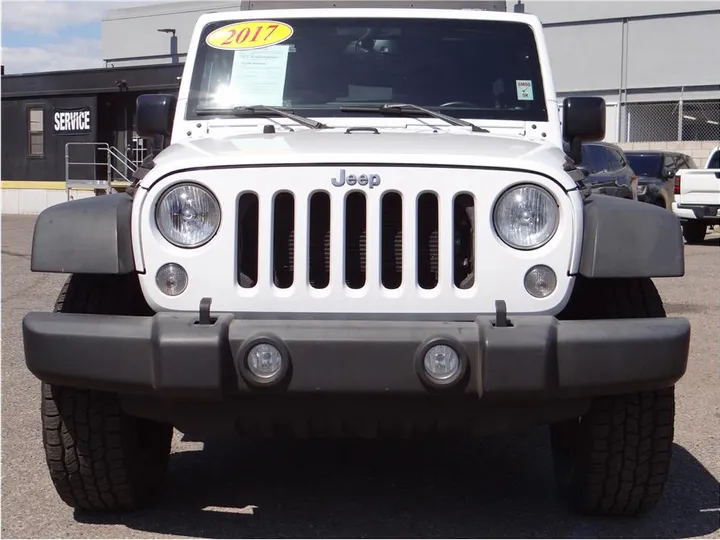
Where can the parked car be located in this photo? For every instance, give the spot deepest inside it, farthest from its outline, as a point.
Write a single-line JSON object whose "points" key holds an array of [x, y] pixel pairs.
{"points": [[697, 198], [607, 170], [656, 170]]}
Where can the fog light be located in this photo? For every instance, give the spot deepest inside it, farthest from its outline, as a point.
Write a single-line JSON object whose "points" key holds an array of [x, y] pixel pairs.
{"points": [[540, 281], [441, 362], [171, 279], [264, 361]]}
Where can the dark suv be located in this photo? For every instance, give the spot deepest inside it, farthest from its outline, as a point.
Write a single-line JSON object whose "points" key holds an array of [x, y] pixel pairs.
{"points": [[656, 171], [607, 169]]}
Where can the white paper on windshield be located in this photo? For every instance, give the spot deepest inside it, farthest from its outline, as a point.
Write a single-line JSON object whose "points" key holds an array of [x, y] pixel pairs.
{"points": [[258, 76]]}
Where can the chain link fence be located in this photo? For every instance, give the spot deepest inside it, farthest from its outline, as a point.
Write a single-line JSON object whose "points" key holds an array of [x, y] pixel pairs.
{"points": [[671, 121]]}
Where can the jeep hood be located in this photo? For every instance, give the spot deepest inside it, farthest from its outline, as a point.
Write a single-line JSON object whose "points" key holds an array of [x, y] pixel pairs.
{"points": [[441, 148]]}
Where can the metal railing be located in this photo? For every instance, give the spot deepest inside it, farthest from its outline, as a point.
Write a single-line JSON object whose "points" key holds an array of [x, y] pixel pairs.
{"points": [[95, 165]]}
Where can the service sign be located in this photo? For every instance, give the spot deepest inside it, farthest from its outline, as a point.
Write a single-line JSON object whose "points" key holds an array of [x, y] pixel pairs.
{"points": [[249, 35], [72, 121]]}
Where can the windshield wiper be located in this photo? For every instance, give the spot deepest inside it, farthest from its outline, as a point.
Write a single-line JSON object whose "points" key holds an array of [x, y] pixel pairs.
{"points": [[263, 110], [405, 108]]}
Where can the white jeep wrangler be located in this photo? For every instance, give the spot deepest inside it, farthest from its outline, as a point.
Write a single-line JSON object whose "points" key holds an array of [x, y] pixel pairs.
{"points": [[365, 222]]}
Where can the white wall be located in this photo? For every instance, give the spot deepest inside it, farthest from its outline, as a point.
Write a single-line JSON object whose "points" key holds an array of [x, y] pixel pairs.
{"points": [[678, 51], [585, 58], [34, 201], [562, 11]]}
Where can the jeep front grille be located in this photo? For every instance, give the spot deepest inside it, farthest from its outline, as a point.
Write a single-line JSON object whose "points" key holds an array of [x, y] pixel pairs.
{"points": [[392, 243]]}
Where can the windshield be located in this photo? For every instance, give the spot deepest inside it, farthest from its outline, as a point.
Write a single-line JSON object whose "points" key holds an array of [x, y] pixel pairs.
{"points": [[646, 164], [464, 68]]}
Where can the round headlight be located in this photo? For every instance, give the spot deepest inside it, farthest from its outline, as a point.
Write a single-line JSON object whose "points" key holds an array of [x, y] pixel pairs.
{"points": [[526, 217], [187, 215]]}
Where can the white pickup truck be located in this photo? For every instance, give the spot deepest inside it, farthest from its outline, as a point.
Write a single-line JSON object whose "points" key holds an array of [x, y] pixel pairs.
{"points": [[697, 198], [368, 221]]}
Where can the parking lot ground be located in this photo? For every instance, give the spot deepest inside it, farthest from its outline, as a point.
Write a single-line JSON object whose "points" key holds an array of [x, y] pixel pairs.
{"points": [[499, 487]]}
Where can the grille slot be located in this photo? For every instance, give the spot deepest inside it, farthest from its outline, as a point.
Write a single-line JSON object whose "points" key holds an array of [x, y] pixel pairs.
{"points": [[427, 240], [247, 269], [270, 224], [283, 240], [319, 241], [355, 240], [464, 241], [391, 240]]}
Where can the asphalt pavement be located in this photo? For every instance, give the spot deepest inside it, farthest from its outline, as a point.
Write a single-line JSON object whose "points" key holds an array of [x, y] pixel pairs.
{"points": [[500, 487]]}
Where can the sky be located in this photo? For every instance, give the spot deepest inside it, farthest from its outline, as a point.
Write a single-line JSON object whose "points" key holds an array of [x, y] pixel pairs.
{"points": [[49, 35]]}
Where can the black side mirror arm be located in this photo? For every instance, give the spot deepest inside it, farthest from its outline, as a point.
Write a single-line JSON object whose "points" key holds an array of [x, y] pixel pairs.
{"points": [[574, 151]]}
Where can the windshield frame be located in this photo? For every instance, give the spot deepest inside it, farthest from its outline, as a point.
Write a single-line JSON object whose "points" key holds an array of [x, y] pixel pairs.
{"points": [[542, 91]]}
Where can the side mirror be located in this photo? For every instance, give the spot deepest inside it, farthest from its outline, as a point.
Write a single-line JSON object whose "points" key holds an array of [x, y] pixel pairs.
{"points": [[154, 115], [583, 120], [584, 170]]}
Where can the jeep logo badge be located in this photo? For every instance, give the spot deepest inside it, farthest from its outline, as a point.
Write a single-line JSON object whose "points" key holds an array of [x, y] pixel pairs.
{"points": [[371, 180]]}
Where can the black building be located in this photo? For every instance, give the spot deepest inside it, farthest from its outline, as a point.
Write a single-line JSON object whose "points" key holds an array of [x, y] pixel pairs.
{"points": [[43, 112]]}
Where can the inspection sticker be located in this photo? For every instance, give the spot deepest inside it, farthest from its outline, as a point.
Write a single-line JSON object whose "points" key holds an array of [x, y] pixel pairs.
{"points": [[524, 90], [249, 35]]}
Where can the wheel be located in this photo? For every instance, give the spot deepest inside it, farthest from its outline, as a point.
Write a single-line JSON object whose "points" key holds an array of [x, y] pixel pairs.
{"points": [[99, 457], [694, 231], [614, 460]]}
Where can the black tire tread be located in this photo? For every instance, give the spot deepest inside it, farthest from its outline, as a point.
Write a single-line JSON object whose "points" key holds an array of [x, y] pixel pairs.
{"points": [[100, 458], [694, 232], [628, 448], [622, 447], [613, 299]]}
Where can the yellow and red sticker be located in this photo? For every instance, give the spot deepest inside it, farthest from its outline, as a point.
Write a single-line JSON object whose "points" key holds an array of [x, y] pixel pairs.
{"points": [[249, 35]]}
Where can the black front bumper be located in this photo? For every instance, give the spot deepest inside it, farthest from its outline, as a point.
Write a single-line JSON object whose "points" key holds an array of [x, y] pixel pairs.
{"points": [[172, 355]]}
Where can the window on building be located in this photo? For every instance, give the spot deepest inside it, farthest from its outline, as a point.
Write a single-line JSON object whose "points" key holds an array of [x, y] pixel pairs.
{"points": [[35, 132]]}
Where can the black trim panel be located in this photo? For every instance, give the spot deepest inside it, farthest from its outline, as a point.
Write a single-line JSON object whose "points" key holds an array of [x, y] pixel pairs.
{"points": [[623, 238], [85, 236]]}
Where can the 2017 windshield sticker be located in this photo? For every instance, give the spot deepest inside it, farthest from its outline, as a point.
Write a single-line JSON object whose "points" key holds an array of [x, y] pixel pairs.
{"points": [[524, 90], [249, 35]]}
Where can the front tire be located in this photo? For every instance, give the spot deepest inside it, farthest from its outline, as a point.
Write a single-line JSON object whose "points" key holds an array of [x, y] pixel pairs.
{"points": [[99, 457], [614, 460]]}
